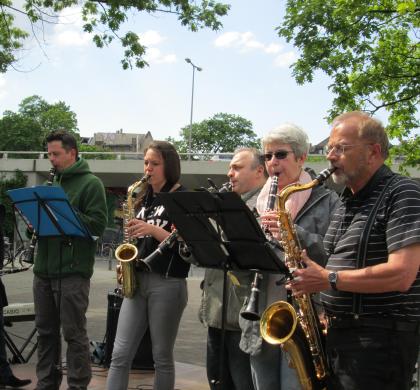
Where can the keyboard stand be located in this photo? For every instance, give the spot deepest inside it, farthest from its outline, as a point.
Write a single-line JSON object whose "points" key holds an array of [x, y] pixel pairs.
{"points": [[19, 312], [17, 353]]}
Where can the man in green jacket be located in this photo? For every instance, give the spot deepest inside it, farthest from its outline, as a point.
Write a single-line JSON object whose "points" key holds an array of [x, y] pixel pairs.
{"points": [[63, 267]]}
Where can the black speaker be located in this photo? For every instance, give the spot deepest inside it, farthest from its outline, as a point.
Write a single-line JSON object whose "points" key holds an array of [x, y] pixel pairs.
{"points": [[144, 358]]}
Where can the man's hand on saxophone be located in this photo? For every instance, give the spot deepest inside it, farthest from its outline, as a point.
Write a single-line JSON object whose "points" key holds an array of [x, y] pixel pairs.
{"points": [[311, 279]]}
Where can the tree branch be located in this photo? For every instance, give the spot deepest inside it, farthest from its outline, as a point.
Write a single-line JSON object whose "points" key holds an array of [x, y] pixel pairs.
{"points": [[388, 11], [377, 108], [107, 17]]}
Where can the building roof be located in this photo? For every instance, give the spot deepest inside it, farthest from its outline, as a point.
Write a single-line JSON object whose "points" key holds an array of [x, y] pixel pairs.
{"points": [[119, 138]]}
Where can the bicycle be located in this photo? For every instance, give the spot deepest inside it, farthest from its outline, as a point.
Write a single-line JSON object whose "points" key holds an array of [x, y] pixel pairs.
{"points": [[20, 255]]}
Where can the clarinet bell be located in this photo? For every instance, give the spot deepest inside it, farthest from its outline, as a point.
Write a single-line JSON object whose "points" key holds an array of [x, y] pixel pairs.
{"points": [[251, 311]]}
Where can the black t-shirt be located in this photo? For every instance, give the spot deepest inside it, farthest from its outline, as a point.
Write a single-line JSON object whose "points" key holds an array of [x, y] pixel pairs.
{"points": [[169, 263]]}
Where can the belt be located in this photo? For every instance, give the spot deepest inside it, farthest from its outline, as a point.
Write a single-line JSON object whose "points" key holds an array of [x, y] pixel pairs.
{"points": [[374, 322]]}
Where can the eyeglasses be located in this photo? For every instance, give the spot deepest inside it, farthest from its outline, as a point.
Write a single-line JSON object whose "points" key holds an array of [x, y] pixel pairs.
{"points": [[279, 155], [339, 150]]}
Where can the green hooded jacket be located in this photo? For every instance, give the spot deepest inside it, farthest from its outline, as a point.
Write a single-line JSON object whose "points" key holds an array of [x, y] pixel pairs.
{"points": [[87, 196]]}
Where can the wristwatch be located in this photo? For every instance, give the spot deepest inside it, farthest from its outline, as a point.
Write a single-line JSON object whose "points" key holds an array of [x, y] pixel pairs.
{"points": [[333, 278]]}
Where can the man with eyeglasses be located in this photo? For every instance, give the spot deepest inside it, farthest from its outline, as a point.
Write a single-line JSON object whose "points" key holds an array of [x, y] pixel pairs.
{"points": [[371, 283], [285, 151]]}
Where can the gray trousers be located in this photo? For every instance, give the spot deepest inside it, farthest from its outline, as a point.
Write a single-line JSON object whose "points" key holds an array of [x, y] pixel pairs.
{"points": [[270, 369], [158, 304], [73, 306]]}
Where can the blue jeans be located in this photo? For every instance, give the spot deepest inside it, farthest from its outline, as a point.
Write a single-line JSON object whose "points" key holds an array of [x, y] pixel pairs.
{"points": [[270, 369], [158, 304], [371, 358], [236, 368]]}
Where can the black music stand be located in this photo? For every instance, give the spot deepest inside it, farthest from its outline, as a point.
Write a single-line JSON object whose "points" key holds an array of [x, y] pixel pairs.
{"points": [[221, 232], [50, 213]]}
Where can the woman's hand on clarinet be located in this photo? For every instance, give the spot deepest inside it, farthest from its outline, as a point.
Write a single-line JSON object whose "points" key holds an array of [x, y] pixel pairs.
{"points": [[269, 221]]}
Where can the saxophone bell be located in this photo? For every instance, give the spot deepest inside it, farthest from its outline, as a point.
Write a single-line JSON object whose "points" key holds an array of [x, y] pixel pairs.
{"points": [[126, 252]]}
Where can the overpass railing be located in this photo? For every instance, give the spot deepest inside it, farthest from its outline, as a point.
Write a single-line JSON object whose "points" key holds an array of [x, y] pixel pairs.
{"points": [[226, 157]]}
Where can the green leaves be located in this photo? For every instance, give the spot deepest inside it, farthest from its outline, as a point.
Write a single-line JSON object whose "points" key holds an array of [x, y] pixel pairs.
{"points": [[222, 133], [104, 19], [370, 51], [11, 37], [11, 182], [27, 128]]}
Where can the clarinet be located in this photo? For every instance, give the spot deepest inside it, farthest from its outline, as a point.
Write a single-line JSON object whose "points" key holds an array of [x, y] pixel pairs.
{"points": [[251, 311], [225, 187], [29, 257]]}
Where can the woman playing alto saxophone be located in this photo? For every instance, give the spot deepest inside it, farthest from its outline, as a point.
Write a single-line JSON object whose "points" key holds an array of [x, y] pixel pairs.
{"points": [[161, 297], [285, 149]]}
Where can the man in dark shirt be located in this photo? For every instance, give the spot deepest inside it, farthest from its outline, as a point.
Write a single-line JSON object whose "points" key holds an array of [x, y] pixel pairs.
{"points": [[247, 176], [370, 286]]}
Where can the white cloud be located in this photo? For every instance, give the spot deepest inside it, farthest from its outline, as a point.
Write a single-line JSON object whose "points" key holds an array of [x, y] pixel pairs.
{"points": [[247, 41], [273, 48], [68, 31], [70, 16], [154, 56], [72, 38], [285, 59], [227, 39], [2, 87], [241, 41], [151, 38]]}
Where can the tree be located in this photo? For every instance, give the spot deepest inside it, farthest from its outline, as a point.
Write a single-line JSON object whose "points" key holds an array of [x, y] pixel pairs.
{"points": [[103, 19], [17, 181], [370, 49], [222, 133], [26, 129], [95, 148]]}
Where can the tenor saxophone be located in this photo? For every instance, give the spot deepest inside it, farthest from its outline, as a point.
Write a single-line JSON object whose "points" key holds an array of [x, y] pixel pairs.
{"points": [[298, 333], [127, 252]]}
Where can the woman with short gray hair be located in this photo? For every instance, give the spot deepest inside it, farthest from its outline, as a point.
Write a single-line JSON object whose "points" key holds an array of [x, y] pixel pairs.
{"points": [[291, 134], [285, 150]]}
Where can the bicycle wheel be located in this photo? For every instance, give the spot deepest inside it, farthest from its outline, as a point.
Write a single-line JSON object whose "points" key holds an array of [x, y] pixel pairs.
{"points": [[23, 258]]}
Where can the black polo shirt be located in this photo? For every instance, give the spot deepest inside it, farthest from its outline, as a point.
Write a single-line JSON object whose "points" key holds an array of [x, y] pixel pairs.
{"points": [[397, 225]]}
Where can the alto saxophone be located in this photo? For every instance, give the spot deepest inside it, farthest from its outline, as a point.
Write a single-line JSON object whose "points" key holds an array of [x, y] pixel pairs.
{"points": [[127, 252], [299, 334]]}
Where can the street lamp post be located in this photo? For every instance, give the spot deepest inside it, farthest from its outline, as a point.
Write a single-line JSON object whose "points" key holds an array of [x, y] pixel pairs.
{"points": [[194, 67]]}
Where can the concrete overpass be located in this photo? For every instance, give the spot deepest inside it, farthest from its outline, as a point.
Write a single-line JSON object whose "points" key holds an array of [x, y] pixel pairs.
{"points": [[123, 172]]}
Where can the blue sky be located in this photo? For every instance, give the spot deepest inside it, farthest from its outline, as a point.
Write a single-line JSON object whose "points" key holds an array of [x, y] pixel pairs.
{"points": [[245, 72]]}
